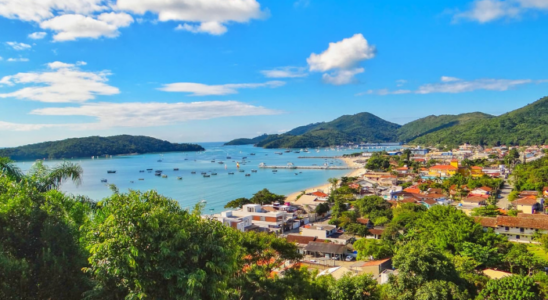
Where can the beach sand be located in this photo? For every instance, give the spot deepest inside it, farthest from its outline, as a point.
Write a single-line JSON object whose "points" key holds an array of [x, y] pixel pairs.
{"points": [[326, 187]]}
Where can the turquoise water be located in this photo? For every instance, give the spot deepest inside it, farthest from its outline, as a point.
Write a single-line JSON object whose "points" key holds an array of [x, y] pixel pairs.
{"points": [[216, 190]]}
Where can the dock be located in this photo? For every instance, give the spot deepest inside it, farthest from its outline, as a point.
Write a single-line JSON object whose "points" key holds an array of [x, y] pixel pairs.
{"points": [[309, 167]]}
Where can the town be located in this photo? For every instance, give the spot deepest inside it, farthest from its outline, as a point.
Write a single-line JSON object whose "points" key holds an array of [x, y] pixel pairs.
{"points": [[341, 230]]}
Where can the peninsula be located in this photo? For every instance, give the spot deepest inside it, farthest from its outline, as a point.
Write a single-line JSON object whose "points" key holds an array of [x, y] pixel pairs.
{"points": [[95, 146]]}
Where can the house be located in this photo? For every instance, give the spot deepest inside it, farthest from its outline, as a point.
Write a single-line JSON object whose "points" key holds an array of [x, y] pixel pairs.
{"points": [[242, 224], [442, 171], [336, 272], [373, 267], [517, 229], [402, 170], [476, 171], [483, 191], [385, 275], [325, 249], [429, 203], [319, 231], [302, 241], [528, 205], [474, 201], [321, 196], [375, 233], [545, 191], [273, 220], [365, 222]]}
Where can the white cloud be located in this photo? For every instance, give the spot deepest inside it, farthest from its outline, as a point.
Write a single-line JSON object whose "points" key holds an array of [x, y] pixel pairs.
{"points": [[37, 35], [199, 89], [285, 72], [484, 11], [72, 26], [18, 46], [449, 79], [210, 15], [154, 113], [61, 83], [20, 59], [401, 82], [341, 77], [342, 58], [214, 28], [8, 126], [455, 85], [39, 10]]}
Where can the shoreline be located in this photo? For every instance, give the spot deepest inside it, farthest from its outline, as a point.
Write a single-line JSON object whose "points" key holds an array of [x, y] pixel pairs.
{"points": [[327, 186]]}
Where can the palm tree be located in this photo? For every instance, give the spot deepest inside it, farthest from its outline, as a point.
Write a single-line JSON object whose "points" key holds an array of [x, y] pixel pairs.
{"points": [[333, 182], [45, 178]]}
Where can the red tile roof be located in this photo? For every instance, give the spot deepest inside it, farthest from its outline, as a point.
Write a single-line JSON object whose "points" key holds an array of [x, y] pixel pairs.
{"points": [[363, 221], [535, 223], [320, 194], [525, 201], [443, 167], [474, 199], [486, 221], [375, 262], [376, 231], [299, 239]]}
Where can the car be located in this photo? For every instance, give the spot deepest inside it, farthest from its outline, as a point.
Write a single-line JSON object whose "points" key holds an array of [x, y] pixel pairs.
{"points": [[350, 258], [335, 257]]}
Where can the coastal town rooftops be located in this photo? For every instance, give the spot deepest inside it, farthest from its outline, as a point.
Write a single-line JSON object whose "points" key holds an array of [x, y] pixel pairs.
{"points": [[325, 248], [525, 201], [370, 263], [304, 240], [487, 221], [443, 167], [320, 194], [474, 199], [535, 223]]}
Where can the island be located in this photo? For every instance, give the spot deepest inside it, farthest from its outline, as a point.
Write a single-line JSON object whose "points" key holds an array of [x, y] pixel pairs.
{"points": [[95, 146]]}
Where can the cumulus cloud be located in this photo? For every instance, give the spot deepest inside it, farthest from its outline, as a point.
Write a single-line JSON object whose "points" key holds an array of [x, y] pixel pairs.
{"points": [[18, 46], [37, 35], [199, 89], [208, 16], [342, 59], [455, 85], [20, 59], [484, 11], [8, 126], [138, 114], [72, 26], [62, 82], [285, 72], [39, 10]]}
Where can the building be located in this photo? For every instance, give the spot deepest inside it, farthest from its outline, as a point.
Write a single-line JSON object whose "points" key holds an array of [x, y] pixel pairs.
{"points": [[483, 191], [273, 220], [327, 250], [336, 272], [476, 171], [528, 205], [239, 223], [442, 171], [475, 201], [373, 267], [517, 229], [325, 232]]}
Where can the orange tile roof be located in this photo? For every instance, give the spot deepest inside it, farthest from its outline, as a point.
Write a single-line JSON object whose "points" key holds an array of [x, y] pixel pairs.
{"points": [[476, 168], [443, 167], [412, 190], [525, 201], [486, 221], [320, 194], [375, 262]]}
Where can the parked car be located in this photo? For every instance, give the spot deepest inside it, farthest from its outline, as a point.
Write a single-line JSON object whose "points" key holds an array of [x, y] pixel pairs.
{"points": [[335, 257], [350, 258]]}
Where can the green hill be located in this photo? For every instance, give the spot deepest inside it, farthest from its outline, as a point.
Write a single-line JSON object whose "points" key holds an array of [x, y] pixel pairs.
{"points": [[95, 146], [525, 126], [244, 141], [433, 123], [362, 127]]}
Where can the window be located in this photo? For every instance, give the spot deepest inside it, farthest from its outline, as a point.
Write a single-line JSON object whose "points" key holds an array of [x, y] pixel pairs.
{"points": [[506, 228], [517, 237], [522, 230]]}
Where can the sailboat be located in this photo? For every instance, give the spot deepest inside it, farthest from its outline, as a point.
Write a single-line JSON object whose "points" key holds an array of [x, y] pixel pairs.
{"points": [[237, 165]]}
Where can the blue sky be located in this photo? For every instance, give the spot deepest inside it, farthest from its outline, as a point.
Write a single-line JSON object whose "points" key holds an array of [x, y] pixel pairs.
{"points": [[214, 70]]}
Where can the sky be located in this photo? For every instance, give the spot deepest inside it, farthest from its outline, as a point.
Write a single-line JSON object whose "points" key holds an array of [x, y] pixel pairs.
{"points": [[215, 70]]}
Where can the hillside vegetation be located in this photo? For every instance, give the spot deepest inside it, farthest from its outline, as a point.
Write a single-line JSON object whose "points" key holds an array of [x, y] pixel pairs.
{"points": [[95, 146], [524, 126], [433, 123]]}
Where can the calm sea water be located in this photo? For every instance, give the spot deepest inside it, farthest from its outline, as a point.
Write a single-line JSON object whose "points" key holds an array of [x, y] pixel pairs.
{"points": [[193, 188]]}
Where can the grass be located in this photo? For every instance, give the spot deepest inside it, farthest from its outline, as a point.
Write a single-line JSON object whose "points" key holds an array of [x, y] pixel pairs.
{"points": [[538, 251]]}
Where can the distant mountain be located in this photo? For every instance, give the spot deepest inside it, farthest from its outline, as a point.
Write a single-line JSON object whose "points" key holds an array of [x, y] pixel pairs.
{"points": [[244, 141], [362, 127], [95, 146], [433, 123], [524, 126]]}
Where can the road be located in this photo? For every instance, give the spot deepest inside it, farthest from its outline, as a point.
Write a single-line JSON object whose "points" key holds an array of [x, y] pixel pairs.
{"points": [[503, 202]]}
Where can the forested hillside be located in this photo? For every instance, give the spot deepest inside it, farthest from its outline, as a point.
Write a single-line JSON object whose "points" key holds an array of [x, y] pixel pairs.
{"points": [[95, 146]]}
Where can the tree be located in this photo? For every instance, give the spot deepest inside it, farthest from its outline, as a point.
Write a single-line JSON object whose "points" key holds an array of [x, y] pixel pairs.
{"points": [[511, 287], [144, 245], [378, 162], [43, 177], [513, 196], [360, 287], [486, 211], [407, 154], [238, 203], [263, 196], [371, 247], [334, 182], [374, 207], [520, 257], [357, 229], [322, 209]]}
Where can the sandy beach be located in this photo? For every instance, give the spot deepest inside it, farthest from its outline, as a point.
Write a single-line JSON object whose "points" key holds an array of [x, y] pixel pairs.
{"points": [[327, 186]]}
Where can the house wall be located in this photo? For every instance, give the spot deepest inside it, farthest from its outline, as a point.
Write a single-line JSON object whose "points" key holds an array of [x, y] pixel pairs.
{"points": [[515, 234], [526, 209], [321, 234]]}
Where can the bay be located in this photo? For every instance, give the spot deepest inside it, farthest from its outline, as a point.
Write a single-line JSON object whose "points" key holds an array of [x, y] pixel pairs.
{"points": [[216, 190]]}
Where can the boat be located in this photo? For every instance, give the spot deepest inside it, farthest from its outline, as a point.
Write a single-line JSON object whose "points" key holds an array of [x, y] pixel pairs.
{"points": [[206, 176], [132, 181], [244, 157], [247, 175], [220, 162], [213, 173], [111, 171], [141, 179], [164, 176], [159, 160], [274, 171], [193, 172], [141, 171], [296, 173], [279, 153], [230, 173], [149, 170], [228, 157], [175, 169], [179, 178], [157, 174], [104, 180], [241, 171], [213, 161], [253, 171], [287, 151], [251, 153], [158, 171]]}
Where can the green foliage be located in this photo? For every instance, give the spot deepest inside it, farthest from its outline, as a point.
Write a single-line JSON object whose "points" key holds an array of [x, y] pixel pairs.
{"points": [[366, 248], [360, 287], [95, 146], [357, 229], [513, 195], [322, 209], [520, 259], [486, 211], [524, 126], [530, 176], [374, 207], [252, 141], [378, 162], [424, 273], [484, 255], [262, 197], [511, 287]]}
